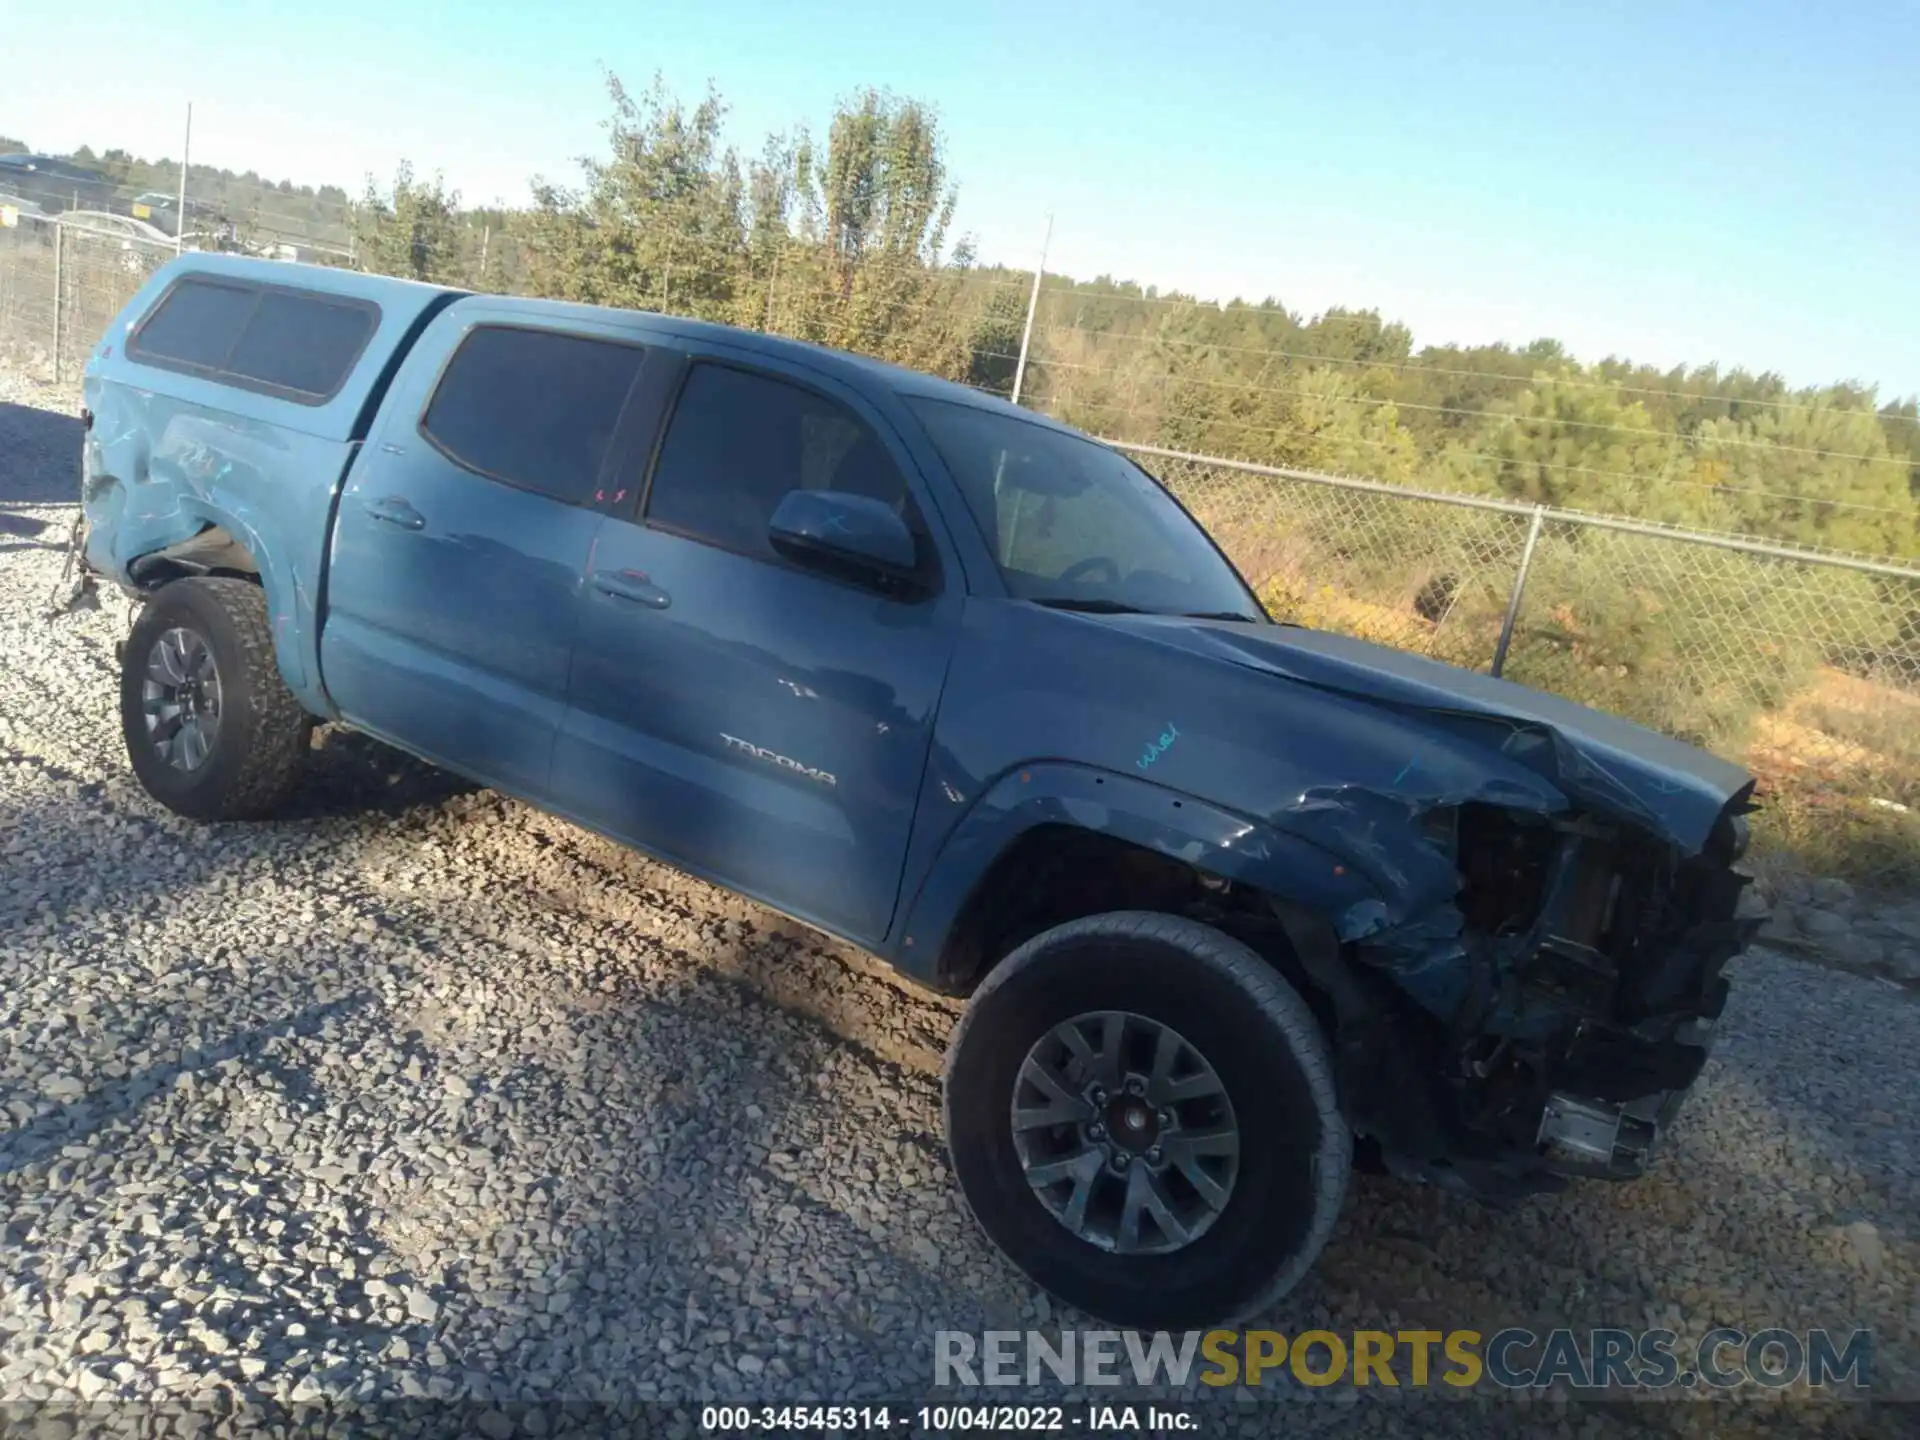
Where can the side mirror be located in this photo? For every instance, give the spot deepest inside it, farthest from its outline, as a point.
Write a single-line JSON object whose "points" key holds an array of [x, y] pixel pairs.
{"points": [[834, 530]]}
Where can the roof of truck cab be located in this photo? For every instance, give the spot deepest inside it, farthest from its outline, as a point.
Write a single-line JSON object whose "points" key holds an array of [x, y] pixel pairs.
{"points": [[858, 370], [326, 279]]}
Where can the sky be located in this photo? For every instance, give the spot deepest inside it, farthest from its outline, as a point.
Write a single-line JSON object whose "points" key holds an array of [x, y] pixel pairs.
{"points": [[1674, 182]]}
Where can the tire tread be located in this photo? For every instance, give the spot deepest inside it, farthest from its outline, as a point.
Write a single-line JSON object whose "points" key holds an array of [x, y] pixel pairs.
{"points": [[1265, 988], [272, 728]]}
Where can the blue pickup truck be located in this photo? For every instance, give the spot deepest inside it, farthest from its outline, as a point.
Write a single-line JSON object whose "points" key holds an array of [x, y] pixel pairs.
{"points": [[1236, 904]]}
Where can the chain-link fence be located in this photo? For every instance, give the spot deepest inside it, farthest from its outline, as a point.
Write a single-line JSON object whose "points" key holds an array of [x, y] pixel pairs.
{"points": [[62, 280], [1801, 664]]}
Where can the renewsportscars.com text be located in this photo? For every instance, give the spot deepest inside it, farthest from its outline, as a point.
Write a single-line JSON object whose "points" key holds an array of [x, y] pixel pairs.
{"points": [[1513, 1358]]}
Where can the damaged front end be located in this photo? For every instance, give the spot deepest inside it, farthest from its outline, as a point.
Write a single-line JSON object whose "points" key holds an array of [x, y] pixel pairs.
{"points": [[1548, 1018]]}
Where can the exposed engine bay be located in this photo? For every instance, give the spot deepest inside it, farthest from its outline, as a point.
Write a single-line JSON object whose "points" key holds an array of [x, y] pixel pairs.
{"points": [[1563, 1001]]}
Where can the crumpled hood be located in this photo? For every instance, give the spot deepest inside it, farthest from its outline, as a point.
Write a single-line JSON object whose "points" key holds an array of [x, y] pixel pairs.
{"points": [[1595, 759]]}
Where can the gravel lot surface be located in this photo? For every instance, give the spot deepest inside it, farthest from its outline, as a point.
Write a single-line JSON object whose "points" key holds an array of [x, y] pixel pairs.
{"points": [[420, 1092]]}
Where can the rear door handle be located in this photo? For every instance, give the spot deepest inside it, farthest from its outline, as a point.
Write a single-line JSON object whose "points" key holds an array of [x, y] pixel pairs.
{"points": [[396, 511], [631, 585]]}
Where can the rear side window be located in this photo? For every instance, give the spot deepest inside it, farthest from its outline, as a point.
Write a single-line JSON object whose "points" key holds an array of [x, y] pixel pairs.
{"points": [[534, 408], [292, 343], [197, 324], [300, 343]]}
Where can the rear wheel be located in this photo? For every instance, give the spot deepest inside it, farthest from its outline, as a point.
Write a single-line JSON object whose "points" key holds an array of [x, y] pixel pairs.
{"points": [[211, 729], [1142, 1116]]}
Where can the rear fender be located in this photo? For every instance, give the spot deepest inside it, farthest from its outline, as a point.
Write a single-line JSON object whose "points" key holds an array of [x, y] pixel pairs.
{"points": [[1213, 840], [142, 495], [195, 518]]}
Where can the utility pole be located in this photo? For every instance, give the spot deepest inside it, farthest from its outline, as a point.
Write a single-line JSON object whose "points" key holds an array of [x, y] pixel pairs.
{"points": [[180, 212], [1033, 304]]}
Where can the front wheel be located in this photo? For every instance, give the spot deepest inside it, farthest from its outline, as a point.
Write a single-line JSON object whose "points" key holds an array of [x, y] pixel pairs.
{"points": [[212, 731], [1141, 1114]]}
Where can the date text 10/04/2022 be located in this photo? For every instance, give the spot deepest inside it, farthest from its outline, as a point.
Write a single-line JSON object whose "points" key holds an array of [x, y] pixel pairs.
{"points": [[942, 1419]]}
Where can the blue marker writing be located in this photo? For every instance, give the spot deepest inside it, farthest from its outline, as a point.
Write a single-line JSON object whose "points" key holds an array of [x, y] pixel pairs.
{"points": [[1156, 748]]}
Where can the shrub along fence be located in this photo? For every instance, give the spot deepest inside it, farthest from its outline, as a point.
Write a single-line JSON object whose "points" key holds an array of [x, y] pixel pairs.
{"points": [[1803, 664]]}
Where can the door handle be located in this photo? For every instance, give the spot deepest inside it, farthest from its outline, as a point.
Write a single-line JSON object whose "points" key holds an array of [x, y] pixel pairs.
{"points": [[396, 511], [631, 585]]}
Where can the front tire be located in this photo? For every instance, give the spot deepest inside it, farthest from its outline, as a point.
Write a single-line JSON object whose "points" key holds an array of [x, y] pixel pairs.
{"points": [[1142, 1116], [211, 729]]}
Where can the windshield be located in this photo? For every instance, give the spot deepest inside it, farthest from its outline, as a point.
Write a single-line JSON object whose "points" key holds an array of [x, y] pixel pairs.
{"points": [[1073, 523]]}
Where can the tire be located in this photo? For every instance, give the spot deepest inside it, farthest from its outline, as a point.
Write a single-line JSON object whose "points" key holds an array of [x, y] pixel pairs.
{"points": [[248, 757], [1270, 1058]]}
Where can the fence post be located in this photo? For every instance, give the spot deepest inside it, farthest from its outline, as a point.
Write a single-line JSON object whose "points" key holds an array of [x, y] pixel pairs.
{"points": [[1033, 304], [1519, 586], [59, 239]]}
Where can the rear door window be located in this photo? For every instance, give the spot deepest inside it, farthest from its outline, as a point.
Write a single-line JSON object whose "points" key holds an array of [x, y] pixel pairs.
{"points": [[536, 409]]}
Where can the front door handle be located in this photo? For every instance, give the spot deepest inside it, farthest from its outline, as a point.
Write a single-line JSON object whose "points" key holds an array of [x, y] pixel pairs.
{"points": [[631, 585], [396, 511]]}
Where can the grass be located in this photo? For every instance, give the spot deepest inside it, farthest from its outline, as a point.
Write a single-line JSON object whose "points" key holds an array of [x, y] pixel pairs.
{"points": [[1840, 770]]}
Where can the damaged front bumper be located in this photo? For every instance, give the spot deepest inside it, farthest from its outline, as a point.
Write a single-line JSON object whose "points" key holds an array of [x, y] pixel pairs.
{"points": [[1548, 1020], [1592, 1137]]}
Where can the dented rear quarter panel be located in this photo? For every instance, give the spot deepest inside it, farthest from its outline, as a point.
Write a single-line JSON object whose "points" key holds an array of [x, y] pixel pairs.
{"points": [[170, 454]]}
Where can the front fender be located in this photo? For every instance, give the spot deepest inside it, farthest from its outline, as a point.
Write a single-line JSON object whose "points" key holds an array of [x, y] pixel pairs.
{"points": [[1208, 837]]}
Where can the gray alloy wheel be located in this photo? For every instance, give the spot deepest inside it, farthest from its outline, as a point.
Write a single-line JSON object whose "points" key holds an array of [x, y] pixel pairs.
{"points": [[211, 729], [1125, 1133], [180, 698]]}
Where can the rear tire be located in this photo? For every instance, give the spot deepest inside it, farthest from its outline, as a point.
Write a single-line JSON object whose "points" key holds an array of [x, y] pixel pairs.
{"points": [[211, 729], [1245, 1042]]}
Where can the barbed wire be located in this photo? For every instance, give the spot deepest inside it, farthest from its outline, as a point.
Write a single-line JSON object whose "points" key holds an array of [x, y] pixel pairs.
{"points": [[1042, 362], [1412, 364], [1559, 466], [1151, 453], [309, 195]]}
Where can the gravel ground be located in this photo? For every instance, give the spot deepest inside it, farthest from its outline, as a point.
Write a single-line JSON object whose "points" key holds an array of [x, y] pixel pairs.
{"points": [[420, 1092]]}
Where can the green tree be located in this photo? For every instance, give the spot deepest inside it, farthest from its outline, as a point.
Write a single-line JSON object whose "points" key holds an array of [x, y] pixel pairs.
{"points": [[412, 230], [993, 348], [1568, 441], [1819, 472], [874, 212], [658, 225]]}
